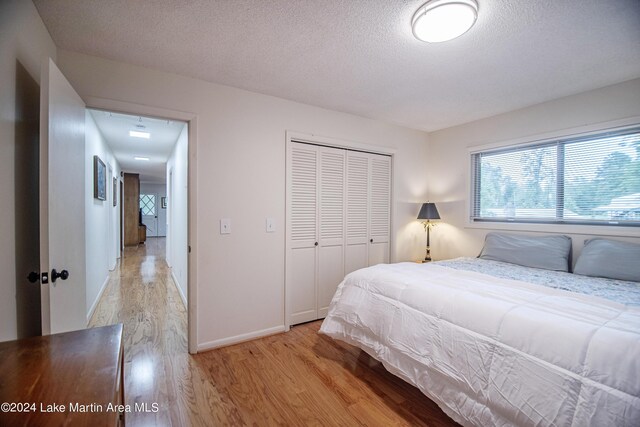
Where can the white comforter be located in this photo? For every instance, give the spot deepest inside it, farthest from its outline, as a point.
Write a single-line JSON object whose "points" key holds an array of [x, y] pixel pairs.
{"points": [[494, 352]]}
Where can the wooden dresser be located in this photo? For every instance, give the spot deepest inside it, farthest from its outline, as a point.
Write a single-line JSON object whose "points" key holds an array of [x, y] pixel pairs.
{"points": [[74, 378]]}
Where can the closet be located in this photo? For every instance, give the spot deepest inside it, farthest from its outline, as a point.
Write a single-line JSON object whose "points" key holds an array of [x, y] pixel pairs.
{"points": [[338, 220]]}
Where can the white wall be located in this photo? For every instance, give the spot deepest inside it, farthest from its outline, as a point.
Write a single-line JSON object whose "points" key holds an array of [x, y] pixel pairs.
{"points": [[241, 175], [177, 209], [24, 40], [448, 163], [160, 190], [98, 214]]}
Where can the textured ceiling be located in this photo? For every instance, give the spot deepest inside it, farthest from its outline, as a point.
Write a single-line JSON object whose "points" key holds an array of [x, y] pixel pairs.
{"points": [[115, 129], [359, 56]]}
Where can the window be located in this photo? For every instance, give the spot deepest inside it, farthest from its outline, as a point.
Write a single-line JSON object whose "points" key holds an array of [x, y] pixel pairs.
{"points": [[148, 204], [591, 179]]}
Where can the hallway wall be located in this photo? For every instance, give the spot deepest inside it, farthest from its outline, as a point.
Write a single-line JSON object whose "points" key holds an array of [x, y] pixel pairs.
{"points": [[99, 242], [177, 208]]}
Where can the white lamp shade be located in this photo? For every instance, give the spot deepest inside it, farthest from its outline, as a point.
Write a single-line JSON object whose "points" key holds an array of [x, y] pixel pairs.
{"points": [[442, 20]]}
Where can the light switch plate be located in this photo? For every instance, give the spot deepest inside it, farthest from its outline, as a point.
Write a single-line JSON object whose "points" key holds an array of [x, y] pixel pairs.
{"points": [[225, 226], [271, 225]]}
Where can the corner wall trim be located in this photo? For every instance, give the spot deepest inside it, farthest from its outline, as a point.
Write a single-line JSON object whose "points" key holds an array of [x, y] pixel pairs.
{"points": [[210, 345], [95, 303]]}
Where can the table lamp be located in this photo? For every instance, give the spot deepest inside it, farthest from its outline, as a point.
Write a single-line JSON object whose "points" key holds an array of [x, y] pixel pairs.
{"points": [[427, 213]]}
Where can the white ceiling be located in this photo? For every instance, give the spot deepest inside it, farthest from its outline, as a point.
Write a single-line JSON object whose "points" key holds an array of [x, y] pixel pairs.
{"points": [[115, 129], [359, 56]]}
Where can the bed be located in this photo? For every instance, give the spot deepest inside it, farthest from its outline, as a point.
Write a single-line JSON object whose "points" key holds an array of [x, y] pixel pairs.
{"points": [[497, 344]]}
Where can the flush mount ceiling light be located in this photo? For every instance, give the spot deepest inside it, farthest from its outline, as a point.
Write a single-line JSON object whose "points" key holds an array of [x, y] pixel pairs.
{"points": [[144, 159], [442, 20], [138, 134]]}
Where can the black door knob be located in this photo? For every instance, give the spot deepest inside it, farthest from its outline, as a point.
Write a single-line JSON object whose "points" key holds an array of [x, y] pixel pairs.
{"points": [[371, 241], [33, 277], [64, 275], [315, 244]]}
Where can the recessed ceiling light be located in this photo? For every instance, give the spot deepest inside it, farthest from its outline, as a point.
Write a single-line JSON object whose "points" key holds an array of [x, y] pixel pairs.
{"points": [[138, 134], [442, 20], [146, 159]]}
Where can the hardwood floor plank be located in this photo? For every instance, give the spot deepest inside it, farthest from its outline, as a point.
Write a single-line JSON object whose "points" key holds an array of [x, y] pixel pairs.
{"points": [[299, 378]]}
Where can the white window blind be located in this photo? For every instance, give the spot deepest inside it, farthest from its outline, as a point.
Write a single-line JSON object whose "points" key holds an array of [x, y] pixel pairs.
{"points": [[592, 179]]}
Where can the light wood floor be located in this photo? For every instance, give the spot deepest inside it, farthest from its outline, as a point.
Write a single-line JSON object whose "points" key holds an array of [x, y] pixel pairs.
{"points": [[299, 378]]}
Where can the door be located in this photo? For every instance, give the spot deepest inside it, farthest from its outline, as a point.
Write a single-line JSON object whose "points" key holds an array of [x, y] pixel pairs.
{"points": [[111, 203], [380, 209], [169, 230], [331, 226], [356, 253], [121, 211], [62, 203], [368, 209], [303, 233], [149, 208]]}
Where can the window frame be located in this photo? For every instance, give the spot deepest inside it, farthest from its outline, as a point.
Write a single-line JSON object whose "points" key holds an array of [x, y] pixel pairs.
{"points": [[155, 203], [557, 139]]}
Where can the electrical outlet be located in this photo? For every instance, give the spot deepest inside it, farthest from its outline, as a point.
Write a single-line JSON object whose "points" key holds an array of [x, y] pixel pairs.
{"points": [[225, 226]]}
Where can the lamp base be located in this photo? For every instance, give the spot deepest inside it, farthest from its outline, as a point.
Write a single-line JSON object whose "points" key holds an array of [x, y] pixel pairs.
{"points": [[427, 256]]}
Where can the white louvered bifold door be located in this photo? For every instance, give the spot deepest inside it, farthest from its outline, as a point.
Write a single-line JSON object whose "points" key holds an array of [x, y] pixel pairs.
{"points": [[379, 209], [331, 220], [357, 211], [338, 221], [303, 232]]}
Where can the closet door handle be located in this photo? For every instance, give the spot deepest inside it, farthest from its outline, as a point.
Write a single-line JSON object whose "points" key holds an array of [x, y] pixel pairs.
{"points": [[371, 241], [315, 244]]}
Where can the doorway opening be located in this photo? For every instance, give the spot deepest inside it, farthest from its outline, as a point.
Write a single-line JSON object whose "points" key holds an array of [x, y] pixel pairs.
{"points": [[148, 250]]}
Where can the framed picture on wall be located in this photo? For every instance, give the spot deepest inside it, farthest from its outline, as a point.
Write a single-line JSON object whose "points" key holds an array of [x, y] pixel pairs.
{"points": [[99, 179], [115, 191], [163, 202]]}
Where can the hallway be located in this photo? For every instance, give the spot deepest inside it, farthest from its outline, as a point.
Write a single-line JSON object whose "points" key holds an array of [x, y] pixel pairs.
{"points": [[142, 295]]}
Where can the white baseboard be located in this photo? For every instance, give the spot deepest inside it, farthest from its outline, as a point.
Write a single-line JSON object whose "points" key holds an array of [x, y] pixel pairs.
{"points": [[223, 342], [184, 298], [95, 303]]}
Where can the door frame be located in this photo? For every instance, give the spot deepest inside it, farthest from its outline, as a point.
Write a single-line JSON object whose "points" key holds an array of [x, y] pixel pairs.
{"points": [[192, 236], [169, 215], [121, 213], [112, 252], [292, 137]]}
